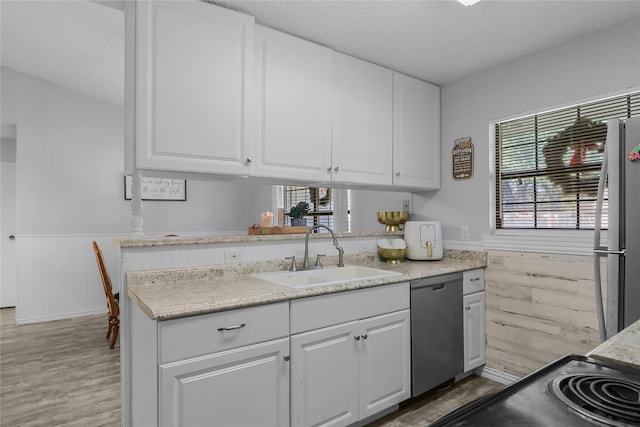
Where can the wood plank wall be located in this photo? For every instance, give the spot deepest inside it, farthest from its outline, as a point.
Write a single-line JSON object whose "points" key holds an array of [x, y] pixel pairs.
{"points": [[539, 307]]}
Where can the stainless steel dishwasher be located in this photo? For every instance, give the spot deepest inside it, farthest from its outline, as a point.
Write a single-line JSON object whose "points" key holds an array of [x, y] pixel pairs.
{"points": [[437, 340]]}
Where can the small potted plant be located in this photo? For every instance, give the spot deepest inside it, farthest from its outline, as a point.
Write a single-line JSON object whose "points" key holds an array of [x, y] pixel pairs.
{"points": [[297, 212]]}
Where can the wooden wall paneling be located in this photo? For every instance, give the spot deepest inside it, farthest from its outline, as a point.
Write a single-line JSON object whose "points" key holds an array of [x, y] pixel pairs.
{"points": [[539, 307]]}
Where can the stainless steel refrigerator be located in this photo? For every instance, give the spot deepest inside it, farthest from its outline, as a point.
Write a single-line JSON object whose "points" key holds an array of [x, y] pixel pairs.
{"points": [[621, 165]]}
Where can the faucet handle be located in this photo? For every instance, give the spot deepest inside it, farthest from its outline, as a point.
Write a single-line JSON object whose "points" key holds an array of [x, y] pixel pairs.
{"points": [[293, 266], [318, 263]]}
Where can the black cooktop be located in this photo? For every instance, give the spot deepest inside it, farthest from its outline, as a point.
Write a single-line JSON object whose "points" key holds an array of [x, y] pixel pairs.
{"points": [[571, 391]]}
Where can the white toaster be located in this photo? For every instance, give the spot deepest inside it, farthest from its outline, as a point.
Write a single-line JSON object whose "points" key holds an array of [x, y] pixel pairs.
{"points": [[424, 240]]}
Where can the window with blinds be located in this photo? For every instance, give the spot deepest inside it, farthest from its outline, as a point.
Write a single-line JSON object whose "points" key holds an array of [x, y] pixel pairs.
{"points": [[324, 206], [548, 165]]}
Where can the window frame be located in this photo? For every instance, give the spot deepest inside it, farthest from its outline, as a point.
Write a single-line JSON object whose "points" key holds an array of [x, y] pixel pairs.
{"points": [[563, 241], [338, 217]]}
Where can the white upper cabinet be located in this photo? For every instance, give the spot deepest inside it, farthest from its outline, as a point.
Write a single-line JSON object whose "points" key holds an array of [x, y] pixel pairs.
{"points": [[416, 133], [362, 122], [293, 107], [193, 87], [210, 92]]}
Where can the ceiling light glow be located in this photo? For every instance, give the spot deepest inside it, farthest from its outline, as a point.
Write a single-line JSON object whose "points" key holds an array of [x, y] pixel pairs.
{"points": [[468, 2]]}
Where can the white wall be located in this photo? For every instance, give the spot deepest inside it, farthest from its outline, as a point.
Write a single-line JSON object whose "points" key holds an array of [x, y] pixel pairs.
{"points": [[601, 63], [70, 162], [365, 205]]}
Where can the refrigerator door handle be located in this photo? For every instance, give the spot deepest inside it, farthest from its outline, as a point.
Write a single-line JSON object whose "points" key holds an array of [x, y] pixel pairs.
{"points": [[598, 249]]}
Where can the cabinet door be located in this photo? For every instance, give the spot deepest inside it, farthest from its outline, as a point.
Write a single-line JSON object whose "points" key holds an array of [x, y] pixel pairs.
{"points": [[474, 330], [244, 387], [293, 83], [362, 122], [385, 362], [193, 87], [324, 377], [416, 133]]}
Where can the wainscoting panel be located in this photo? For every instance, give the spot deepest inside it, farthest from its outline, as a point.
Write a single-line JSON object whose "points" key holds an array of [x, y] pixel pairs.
{"points": [[58, 276]]}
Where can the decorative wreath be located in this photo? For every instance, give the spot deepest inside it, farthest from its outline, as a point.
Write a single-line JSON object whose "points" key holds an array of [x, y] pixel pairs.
{"points": [[582, 136]]}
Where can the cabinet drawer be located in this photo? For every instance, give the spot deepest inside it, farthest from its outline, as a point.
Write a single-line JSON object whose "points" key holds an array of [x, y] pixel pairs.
{"points": [[326, 310], [209, 333], [473, 281]]}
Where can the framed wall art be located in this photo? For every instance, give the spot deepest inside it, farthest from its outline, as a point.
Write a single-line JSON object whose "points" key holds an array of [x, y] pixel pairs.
{"points": [[160, 189]]}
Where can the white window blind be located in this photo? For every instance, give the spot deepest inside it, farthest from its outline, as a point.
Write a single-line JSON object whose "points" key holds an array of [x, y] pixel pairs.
{"points": [[548, 165], [326, 206]]}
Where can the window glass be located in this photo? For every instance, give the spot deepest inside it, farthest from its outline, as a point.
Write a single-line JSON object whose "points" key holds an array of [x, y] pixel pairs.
{"points": [[548, 165], [326, 206]]}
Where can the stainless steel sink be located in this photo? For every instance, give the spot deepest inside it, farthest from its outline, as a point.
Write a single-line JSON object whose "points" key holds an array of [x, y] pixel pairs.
{"points": [[322, 277]]}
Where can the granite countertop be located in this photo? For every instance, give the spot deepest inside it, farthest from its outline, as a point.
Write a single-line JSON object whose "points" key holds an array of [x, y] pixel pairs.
{"points": [[148, 242], [623, 348], [173, 293]]}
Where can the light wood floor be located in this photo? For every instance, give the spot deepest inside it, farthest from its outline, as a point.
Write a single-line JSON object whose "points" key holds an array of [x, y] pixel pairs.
{"points": [[63, 373], [425, 409], [59, 373]]}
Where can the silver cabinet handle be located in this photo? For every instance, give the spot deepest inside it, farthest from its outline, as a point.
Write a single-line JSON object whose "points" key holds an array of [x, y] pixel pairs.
{"points": [[12, 237], [468, 307], [364, 337], [232, 328], [249, 160], [397, 173], [336, 169], [329, 169], [475, 279], [287, 358], [357, 337]]}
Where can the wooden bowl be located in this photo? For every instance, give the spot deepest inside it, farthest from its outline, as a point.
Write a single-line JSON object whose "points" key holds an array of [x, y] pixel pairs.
{"points": [[393, 256], [393, 219]]}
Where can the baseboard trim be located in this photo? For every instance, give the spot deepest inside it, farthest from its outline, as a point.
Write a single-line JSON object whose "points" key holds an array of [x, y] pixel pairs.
{"points": [[496, 375], [27, 320]]}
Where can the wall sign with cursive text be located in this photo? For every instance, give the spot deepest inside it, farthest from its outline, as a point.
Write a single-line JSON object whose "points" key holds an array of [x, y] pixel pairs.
{"points": [[462, 157], [161, 189]]}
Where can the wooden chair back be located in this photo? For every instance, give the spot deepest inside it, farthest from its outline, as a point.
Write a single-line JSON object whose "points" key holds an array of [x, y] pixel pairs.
{"points": [[112, 304]]}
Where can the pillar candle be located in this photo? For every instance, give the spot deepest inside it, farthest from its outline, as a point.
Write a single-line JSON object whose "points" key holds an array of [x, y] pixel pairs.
{"points": [[267, 219]]}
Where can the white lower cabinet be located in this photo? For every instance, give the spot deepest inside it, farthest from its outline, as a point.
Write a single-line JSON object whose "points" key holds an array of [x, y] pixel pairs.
{"points": [[347, 372], [384, 362], [324, 374], [243, 387], [474, 330], [225, 369], [474, 319]]}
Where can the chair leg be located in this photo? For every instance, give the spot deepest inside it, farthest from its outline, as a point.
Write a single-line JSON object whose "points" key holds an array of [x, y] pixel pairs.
{"points": [[116, 329], [109, 330]]}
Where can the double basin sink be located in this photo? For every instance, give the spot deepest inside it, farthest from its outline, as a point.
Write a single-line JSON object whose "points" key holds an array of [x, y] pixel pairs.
{"points": [[324, 276]]}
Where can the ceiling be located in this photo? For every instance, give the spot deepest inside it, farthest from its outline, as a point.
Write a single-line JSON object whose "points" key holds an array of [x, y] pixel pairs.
{"points": [[80, 44]]}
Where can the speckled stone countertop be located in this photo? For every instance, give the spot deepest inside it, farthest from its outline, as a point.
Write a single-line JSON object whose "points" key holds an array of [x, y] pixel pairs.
{"points": [[237, 238], [173, 293], [622, 348]]}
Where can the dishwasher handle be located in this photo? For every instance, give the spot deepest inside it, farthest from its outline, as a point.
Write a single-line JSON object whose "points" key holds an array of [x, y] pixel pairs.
{"points": [[433, 286], [437, 283]]}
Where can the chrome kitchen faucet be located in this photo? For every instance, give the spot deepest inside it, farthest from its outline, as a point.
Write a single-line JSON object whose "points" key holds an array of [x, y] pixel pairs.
{"points": [[306, 265]]}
